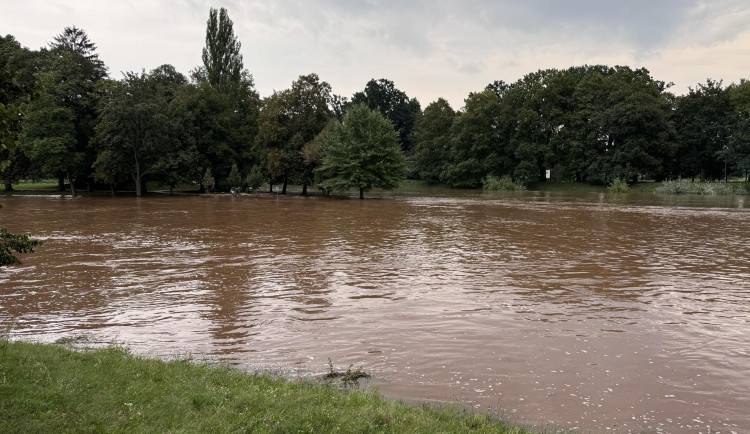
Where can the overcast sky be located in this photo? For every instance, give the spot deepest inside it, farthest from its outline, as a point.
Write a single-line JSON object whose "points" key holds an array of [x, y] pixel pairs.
{"points": [[430, 48]]}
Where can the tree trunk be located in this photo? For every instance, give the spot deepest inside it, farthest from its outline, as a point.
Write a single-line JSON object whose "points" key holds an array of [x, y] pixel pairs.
{"points": [[304, 189], [137, 177], [270, 187], [361, 193], [8, 186], [283, 189], [61, 182], [72, 185], [112, 189]]}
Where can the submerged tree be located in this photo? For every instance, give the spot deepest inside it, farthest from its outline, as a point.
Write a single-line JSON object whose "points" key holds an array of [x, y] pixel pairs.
{"points": [[363, 153], [433, 140], [10, 243], [224, 104], [137, 134], [289, 121], [49, 139]]}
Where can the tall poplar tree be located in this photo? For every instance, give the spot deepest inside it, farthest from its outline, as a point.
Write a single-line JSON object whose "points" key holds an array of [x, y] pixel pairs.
{"points": [[222, 60]]}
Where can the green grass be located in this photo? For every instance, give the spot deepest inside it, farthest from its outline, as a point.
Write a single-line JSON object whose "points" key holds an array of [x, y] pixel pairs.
{"points": [[51, 388], [577, 187], [42, 185]]}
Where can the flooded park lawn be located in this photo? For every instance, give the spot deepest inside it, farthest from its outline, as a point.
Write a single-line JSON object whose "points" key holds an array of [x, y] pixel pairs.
{"points": [[621, 313]]}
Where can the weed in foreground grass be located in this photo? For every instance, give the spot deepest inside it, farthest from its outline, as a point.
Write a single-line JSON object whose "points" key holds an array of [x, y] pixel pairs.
{"points": [[348, 378]]}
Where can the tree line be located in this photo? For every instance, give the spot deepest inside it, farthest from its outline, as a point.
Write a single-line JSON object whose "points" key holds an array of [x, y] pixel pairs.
{"points": [[63, 117]]}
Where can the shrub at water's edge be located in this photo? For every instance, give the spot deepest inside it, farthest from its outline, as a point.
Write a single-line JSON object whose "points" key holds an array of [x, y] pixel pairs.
{"points": [[50, 388], [618, 186], [705, 188], [494, 183]]}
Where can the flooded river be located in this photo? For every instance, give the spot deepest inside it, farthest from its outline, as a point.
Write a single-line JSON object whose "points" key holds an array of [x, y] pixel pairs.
{"points": [[605, 313]]}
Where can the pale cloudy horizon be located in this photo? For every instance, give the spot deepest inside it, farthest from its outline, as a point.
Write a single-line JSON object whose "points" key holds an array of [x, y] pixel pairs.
{"points": [[429, 49]]}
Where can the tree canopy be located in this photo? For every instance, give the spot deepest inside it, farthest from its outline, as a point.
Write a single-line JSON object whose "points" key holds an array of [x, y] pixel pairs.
{"points": [[362, 152], [222, 61]]}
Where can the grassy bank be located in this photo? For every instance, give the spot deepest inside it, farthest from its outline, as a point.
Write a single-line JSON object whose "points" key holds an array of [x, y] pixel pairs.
{"points": [[50, 388]]}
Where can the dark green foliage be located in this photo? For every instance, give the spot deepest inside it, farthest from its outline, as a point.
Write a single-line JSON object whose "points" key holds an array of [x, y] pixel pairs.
{"points": [[704, 120], [10, 243], [289, 121], [234, 179], [478, 146], [362, 153], [432, 135], [221, 111], [394, 105], [69, 72], [17, 88], [222, 61], [49, 139], [75, 39], [587, 123], [254, 179], [140, 134], [505, 183], [738, 149], [208, 181]]}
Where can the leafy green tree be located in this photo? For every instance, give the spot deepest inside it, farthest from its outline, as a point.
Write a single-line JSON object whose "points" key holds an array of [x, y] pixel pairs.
{"points": [[627, 132], [433, 138], [222, 61], [17, 89], [363, 153], [49, 139], [254, 179], [478, 143], [704, 119], [70, 70], [208, 181], [739, 143], [137, 134], [18, 167], [393, 104], [234, 179], [15, 94], [10, 243], [223, 106], [289, 121], [76, 40]]}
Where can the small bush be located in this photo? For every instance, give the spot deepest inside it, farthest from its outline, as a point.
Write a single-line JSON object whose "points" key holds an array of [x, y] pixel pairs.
{"points": [[208, 181], [254, 179], [618, 186], [717, 188], [234, 179], [673, 187], [493, 183]]}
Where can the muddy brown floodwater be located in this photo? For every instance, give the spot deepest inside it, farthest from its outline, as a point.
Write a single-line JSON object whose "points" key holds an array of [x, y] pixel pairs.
{"points": [[588, 311]]}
